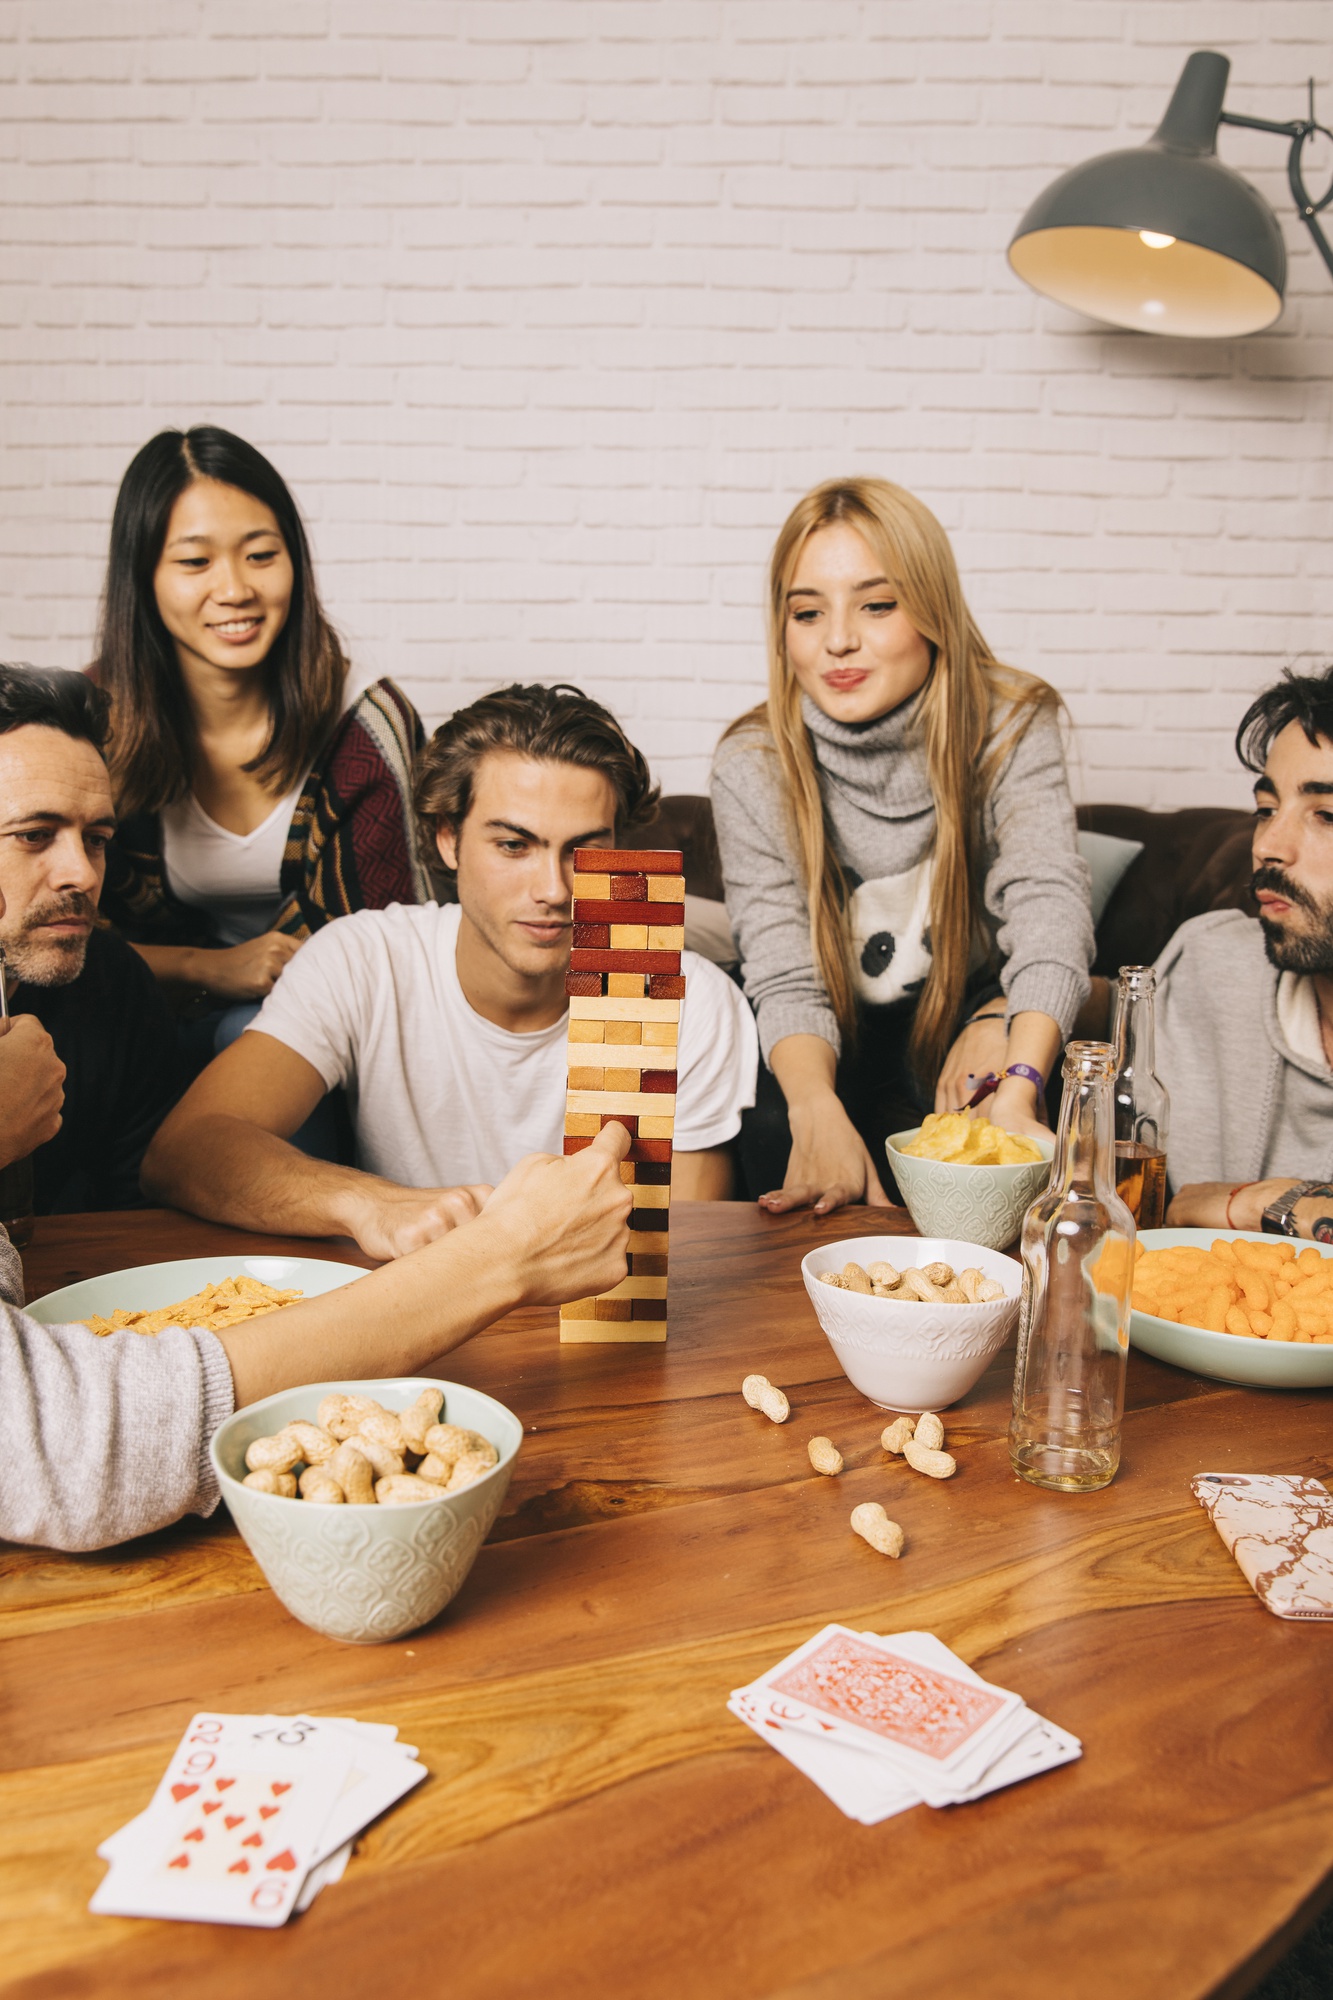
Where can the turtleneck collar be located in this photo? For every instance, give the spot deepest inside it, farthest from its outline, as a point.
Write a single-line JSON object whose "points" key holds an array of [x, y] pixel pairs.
{"points": [[878, 766]]}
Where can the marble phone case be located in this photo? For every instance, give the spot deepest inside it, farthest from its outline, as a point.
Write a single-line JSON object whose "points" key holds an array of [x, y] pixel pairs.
{"points": [[1280, 1530]]}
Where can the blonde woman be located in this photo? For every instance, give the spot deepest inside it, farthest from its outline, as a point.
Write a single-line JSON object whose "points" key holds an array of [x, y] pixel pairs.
{"points": [[898, 847]]}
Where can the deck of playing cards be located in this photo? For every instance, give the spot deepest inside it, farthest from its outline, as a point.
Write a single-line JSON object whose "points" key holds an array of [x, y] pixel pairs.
{"points": [[254, 1816], [884, 1724]]}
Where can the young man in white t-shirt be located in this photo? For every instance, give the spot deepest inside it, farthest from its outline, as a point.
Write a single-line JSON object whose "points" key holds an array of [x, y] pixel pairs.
{"points": [[446, 1024]]}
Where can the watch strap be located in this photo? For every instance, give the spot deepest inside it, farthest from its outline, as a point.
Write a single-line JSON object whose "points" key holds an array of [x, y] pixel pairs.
{"points": [[1277, 1218]]}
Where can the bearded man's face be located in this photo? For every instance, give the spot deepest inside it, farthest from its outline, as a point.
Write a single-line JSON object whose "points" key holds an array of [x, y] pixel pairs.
{"points": [[56, 822]]}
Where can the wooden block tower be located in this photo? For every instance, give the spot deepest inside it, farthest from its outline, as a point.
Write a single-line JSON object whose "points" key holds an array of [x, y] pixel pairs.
{"points": [[625, 988]]}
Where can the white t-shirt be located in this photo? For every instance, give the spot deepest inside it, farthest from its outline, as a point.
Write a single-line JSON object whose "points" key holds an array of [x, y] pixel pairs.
{"points": [[442, 1097]]}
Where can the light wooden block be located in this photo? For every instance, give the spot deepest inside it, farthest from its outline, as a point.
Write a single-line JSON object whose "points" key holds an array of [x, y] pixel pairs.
{"points": [[612, 1055], [631, 937], [629, 1102], [584, 1332], [661, 1035], [662, 937], [637, 1288], [616, 1082], [666, 888], [649, 1242], [579, 1309], [625, 985], [651, 1197], [597, 889], [610, 1007], [657, 1128], [625, 1034], [581, 1125], [587, 1031]]}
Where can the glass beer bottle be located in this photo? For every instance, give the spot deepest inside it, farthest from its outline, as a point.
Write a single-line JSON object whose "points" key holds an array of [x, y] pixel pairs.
{"points": [[1142, 1106], [1078, 1262]]}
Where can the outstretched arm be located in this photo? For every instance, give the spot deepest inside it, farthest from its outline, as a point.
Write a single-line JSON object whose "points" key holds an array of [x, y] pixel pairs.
{"points": [[223, 1153]]}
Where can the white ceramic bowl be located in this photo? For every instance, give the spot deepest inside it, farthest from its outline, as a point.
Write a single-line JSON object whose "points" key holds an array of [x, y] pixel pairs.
{"points": [[365, 1574], [1228, 1357], [983, 1205], [909, 1356], [146, 1287]]}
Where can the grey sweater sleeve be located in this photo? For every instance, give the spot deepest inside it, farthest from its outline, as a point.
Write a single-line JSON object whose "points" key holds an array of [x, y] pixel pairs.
{"points": [[102, 1439], [1038, 887], [767, 905]]}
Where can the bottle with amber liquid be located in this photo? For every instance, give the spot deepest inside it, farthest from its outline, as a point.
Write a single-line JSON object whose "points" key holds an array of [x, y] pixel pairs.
{"points": [[1077, 1247], [1142, 1106]]}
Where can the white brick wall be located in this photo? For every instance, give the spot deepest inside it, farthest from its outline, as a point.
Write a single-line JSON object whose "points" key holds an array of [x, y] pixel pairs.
{"points": [[548, 309]]}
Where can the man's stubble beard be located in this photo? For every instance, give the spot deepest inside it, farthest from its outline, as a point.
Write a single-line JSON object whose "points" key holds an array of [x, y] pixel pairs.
{"points": [[1301, 951], [52, 964]]}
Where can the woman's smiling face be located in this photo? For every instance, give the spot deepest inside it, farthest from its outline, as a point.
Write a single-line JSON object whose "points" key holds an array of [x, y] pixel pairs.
{"points": [[224, 580], [850, 645]]}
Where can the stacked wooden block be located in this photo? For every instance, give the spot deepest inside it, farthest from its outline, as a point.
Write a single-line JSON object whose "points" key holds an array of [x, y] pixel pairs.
{"points": [[625, 988]]}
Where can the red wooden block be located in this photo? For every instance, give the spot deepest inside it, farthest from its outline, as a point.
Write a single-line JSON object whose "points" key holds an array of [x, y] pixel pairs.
{"points": [[650, 1160], [629, 888], [591, 937], [656, 1219], [614, 1309], [628, 913], [583, 985], [661, 1080], [629, 1119], [666, 985], [625, 961], [649, 1308], [628, 861], [646, 1265]]}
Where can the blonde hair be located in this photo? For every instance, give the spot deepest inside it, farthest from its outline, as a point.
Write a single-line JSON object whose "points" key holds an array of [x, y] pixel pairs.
{"points": [[966, 685]]}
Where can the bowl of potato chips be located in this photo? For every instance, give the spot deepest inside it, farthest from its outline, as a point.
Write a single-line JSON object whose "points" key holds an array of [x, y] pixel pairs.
{"points": [[1235, 1305], [966, 1178]]}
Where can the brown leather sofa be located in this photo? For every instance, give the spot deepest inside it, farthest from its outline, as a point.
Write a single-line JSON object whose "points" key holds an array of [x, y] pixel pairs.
{"points": [[1193, 860]]}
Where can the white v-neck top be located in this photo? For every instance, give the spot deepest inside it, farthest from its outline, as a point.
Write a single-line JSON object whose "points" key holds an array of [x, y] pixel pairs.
{"points": [[234, 876]]}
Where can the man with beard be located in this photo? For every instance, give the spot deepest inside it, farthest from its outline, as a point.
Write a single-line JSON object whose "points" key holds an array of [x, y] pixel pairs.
{"points": [[1245, 1026], [79, 995]]}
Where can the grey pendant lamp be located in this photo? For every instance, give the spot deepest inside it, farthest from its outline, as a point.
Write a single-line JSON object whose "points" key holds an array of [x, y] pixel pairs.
{"points": [[1163, 237]]}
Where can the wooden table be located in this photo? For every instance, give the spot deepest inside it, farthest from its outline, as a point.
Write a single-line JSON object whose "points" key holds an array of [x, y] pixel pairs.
{"points": [[595, 1822]]}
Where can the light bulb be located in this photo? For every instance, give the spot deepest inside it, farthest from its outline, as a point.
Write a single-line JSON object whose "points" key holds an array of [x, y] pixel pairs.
{"points": [[1154, 241]]}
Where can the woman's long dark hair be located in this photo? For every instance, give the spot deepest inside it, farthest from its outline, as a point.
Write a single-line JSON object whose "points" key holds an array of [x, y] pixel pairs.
{"points": [[153, 737]]}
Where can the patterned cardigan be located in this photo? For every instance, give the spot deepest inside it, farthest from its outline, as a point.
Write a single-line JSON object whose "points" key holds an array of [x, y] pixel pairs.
{"points": [[351, 844]]}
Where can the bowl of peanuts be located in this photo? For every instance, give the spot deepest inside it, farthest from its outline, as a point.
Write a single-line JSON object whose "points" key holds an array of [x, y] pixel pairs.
{"points": [[365, 1503], [1235, 1305], [913, 1320]]}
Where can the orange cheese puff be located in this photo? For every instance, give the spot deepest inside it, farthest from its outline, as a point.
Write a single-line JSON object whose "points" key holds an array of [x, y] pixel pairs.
{"points": [[1222, 1247], [1284, 1322], [1238, 1322], [1216, 1310]]}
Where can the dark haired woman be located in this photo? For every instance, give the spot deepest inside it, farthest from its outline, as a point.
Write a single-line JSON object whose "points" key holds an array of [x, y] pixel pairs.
{"points": [[260, 791]]}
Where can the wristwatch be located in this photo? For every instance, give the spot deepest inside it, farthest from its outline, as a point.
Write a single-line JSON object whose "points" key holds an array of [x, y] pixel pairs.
{"points": [[1278, 1219]]}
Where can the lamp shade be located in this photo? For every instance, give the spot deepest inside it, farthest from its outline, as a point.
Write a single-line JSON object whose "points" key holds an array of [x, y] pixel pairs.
{"points": [[1161, 237]]}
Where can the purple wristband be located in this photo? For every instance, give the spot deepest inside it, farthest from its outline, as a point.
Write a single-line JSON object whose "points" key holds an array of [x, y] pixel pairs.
{"points": [[1029, 1075]]}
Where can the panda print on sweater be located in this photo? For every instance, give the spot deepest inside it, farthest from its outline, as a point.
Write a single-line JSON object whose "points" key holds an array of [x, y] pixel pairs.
{"points": [[889, 919]]}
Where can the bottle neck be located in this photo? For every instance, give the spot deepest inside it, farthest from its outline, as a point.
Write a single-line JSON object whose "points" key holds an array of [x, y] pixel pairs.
{"points": [[1135, 1035], [1085, 1142]]}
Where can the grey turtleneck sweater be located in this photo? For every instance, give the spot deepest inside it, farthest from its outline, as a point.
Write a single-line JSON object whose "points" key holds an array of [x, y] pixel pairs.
{"points": [[1033, 882]]}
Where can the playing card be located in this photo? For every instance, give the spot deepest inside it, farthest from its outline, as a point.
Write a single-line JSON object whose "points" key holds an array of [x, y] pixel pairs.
{"points": [[862, 1787], [232, 1830], [940, 1730]]}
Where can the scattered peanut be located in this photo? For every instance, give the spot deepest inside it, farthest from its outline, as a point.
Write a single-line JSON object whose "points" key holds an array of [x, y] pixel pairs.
{"points": [[935, 1464], [265, 1481], [933, 1284], [360, 1453], [873, 1525], [825, 1456], [761, 1395], [895, 1435], [929, 1431]]}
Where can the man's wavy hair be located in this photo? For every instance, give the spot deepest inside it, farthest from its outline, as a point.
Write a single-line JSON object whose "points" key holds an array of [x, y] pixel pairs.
{"points": [[553, 725], [1303, 698]]}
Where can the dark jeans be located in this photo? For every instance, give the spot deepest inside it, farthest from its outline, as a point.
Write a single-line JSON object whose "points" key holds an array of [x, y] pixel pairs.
{"points": [[877, 1088]]}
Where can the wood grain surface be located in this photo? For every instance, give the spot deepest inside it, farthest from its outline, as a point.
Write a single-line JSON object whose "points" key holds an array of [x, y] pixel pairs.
{"points": [[595, 1823]]}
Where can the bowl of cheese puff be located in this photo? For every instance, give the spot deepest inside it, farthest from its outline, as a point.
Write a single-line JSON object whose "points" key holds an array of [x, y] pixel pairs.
{"points": [[965, 1178]]}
